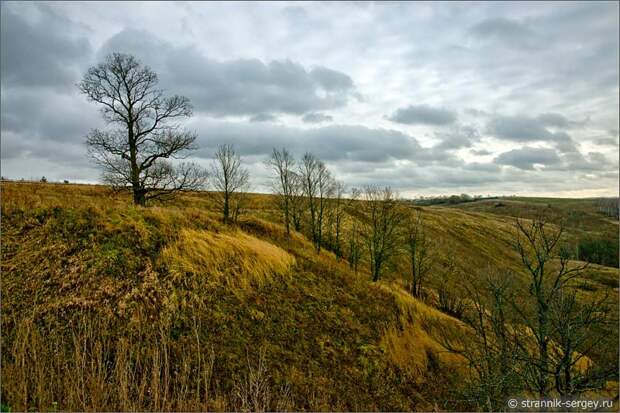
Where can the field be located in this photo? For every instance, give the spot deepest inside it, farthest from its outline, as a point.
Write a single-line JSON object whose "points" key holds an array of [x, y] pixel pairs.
{"points": [[108, 306]]}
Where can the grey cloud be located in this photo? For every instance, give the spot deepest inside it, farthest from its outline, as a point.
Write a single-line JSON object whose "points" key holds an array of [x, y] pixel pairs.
{"points": [[39, 53], [527, 129], [555, 64], [331, 80], [263, 117], [607, 141], [478, 166], [408, 177], [610, 140], [476, 112], [461, 136], [518, 128], [527, 157], [316, 118], [575, 161], [480, 152], [40, 114], [503, 29], [564, 143], [423, 114], [331, 143], [237, 87], [553, 119], [559, 121]]}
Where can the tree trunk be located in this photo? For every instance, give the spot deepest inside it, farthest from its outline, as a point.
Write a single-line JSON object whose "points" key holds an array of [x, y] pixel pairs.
{"points": [[139, 197], [226, 207], [543, 353], [138, 192], [287, 220]]}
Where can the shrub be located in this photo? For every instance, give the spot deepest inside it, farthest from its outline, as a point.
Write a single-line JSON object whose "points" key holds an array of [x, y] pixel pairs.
{"points": [[599, 251]]}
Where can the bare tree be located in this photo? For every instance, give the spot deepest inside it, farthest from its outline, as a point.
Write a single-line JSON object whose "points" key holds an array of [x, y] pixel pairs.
{"points": [[382, 218], [230, 180], [297, 201], [490, 348], [317, 185], [335, 216], [283, 163], [538, 246], [355, 245], [418, 248], [576, 331], [354, 236], [136, 152], [449, 298]]}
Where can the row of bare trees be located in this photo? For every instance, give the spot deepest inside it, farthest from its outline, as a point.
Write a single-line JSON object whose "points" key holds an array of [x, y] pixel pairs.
{"points": [[308, 195], [379, 225]]}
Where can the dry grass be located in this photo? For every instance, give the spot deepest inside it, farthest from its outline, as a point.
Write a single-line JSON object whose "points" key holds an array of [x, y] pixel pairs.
{"points": [[235, 260], [414, 343], [107, 306]]}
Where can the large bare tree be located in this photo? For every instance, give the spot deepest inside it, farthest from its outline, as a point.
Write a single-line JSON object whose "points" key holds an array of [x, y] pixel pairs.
{"points": [[144, 132], [230, 180]]}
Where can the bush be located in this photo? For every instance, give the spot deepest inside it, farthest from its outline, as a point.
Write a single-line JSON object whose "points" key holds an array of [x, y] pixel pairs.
{"points": [[599, 251]]}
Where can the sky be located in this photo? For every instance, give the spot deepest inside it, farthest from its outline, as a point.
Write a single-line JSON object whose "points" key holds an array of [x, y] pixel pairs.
{"points": [[428, 98]]}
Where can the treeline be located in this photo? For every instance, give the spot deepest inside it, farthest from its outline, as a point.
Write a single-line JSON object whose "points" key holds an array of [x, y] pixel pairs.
{"points": [[449, 199], [609, 206]]}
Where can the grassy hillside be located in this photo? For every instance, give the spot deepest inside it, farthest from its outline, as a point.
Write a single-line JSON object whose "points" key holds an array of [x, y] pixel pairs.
{"points": [[593, 232], [106, 306]]}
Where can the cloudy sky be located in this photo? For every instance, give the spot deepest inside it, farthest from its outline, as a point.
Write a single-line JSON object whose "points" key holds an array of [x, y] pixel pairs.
{"points": [[430, 98]]}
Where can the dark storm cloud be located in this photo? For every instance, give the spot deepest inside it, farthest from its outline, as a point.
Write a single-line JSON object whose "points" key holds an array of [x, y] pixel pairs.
{"points": [[316, 118], [236, 87], [527, 157], [39, 53], [423, 114]]}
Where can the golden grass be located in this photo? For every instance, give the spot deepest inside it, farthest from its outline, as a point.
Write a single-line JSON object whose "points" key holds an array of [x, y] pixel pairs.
{"points": [[108, 306], [413, 343], [237, 260]]}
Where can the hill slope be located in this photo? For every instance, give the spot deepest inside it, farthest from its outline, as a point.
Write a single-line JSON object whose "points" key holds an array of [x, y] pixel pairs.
{"points": [[110, 307]]}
